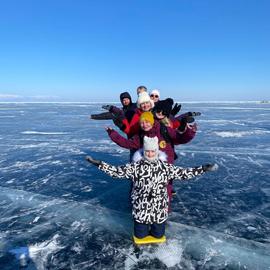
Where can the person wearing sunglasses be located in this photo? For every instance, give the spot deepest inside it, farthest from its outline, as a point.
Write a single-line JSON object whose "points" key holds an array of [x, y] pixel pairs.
{"points": [[155, 95]]}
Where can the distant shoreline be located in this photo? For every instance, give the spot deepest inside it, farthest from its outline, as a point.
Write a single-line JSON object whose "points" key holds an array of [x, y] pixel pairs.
{"points": [[117, 102]]}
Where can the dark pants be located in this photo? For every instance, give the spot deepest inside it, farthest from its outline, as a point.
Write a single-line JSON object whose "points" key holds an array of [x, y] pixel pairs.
{"points": [[141, 230]]}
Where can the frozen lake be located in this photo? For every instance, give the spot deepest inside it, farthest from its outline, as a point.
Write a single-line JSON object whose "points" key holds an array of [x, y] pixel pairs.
{"points": [[63, 213]]}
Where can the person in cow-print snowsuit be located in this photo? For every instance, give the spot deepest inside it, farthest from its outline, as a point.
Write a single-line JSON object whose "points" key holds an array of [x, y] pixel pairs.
{"points": [[150, 177]]}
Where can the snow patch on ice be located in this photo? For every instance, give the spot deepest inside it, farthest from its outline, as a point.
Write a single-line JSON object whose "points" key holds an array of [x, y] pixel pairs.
{"points": [[7, 116], [26, 146], [238, 134], [169, 254], [86, 189], [28, 132], [36, 219], [221, 122], [40, 252]]}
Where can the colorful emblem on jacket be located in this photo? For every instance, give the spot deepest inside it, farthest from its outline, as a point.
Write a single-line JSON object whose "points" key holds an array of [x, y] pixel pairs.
{"points": [[162, 144]]}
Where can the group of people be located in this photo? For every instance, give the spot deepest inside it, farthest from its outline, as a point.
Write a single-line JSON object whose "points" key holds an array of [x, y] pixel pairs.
{"points": [[153, 128]]}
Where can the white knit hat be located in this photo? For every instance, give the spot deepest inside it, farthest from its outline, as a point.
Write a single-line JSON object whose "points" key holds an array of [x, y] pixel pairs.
{"points": [[144, 97], [150, 144], [155, 92]]}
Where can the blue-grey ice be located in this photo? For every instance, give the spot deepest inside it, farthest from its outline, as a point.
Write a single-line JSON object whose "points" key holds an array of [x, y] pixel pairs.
{"points": [[58, 212]]}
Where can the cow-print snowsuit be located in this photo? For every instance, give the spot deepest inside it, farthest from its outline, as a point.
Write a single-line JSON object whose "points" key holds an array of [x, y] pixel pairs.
{"points": [[149, 194]]}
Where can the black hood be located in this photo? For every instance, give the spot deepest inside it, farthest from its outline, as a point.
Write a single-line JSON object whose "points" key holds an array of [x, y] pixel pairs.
{"points": [[125, 95]]}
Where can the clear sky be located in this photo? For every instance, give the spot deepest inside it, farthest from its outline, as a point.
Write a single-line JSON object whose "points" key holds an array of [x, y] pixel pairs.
{"points": [[91, 50]]}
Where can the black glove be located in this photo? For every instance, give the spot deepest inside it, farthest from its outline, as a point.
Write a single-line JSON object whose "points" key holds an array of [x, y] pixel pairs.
{"points": [[189, 116], [176, 108], [107, 107], [209, 167], [195, 113], [183, 125], [93, 161]]}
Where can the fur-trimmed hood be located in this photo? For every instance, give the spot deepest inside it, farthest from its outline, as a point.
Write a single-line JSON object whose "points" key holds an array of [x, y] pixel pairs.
{"points": [[138, 155]]}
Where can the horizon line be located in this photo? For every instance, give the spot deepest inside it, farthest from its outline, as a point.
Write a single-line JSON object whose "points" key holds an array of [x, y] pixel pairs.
{"points": [[118, 102]]}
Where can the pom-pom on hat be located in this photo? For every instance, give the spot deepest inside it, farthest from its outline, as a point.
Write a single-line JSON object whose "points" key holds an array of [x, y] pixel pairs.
{"points": [[147, 116]]}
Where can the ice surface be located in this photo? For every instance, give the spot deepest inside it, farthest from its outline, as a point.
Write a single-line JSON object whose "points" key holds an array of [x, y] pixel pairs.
{"points": [[64, 214]]}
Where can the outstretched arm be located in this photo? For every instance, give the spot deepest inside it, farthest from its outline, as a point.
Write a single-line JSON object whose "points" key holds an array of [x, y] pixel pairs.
{"points": [[187, 135], [187, 127], [133, 143], [102, 116], [112, 109], [125, 171], [176, 172]]}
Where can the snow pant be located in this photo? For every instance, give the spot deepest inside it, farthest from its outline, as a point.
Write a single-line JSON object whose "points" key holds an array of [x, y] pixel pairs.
{"points": [[141, 230], [169, 189]]}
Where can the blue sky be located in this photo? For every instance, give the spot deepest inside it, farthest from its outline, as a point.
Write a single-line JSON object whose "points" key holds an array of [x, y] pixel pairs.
{"points": [[91, 50]]}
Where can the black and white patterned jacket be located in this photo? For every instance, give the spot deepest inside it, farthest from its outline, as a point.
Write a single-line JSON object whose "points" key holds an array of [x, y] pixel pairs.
{"points": [[149, 194]]}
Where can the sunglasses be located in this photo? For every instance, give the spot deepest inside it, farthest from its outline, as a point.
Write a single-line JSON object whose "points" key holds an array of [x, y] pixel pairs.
{"points": [[156, 96]]}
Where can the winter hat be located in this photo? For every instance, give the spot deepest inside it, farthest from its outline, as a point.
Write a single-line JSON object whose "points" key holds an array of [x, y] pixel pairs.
{"points": [[150, 144], [141, 88], [147, 116], [155, 92], [142, 98], [125, 95], [164, 106]]}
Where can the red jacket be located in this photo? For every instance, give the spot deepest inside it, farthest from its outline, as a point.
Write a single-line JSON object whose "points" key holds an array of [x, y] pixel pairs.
{"points": [[132, 127]]}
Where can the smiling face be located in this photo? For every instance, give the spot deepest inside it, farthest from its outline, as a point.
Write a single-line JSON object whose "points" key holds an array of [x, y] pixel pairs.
{"points": [[145, 125], [159, 115], [146, 106], [150, 154], [154, 97], [125, 101]]}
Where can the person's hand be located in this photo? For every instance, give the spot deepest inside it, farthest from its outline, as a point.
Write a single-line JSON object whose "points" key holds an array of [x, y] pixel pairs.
{"points": [[109, 130], [107, 107], [210, 167], [190, 116], [93, 161], [195, 113], [183, 125], [176, 108], [187, 118]]}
